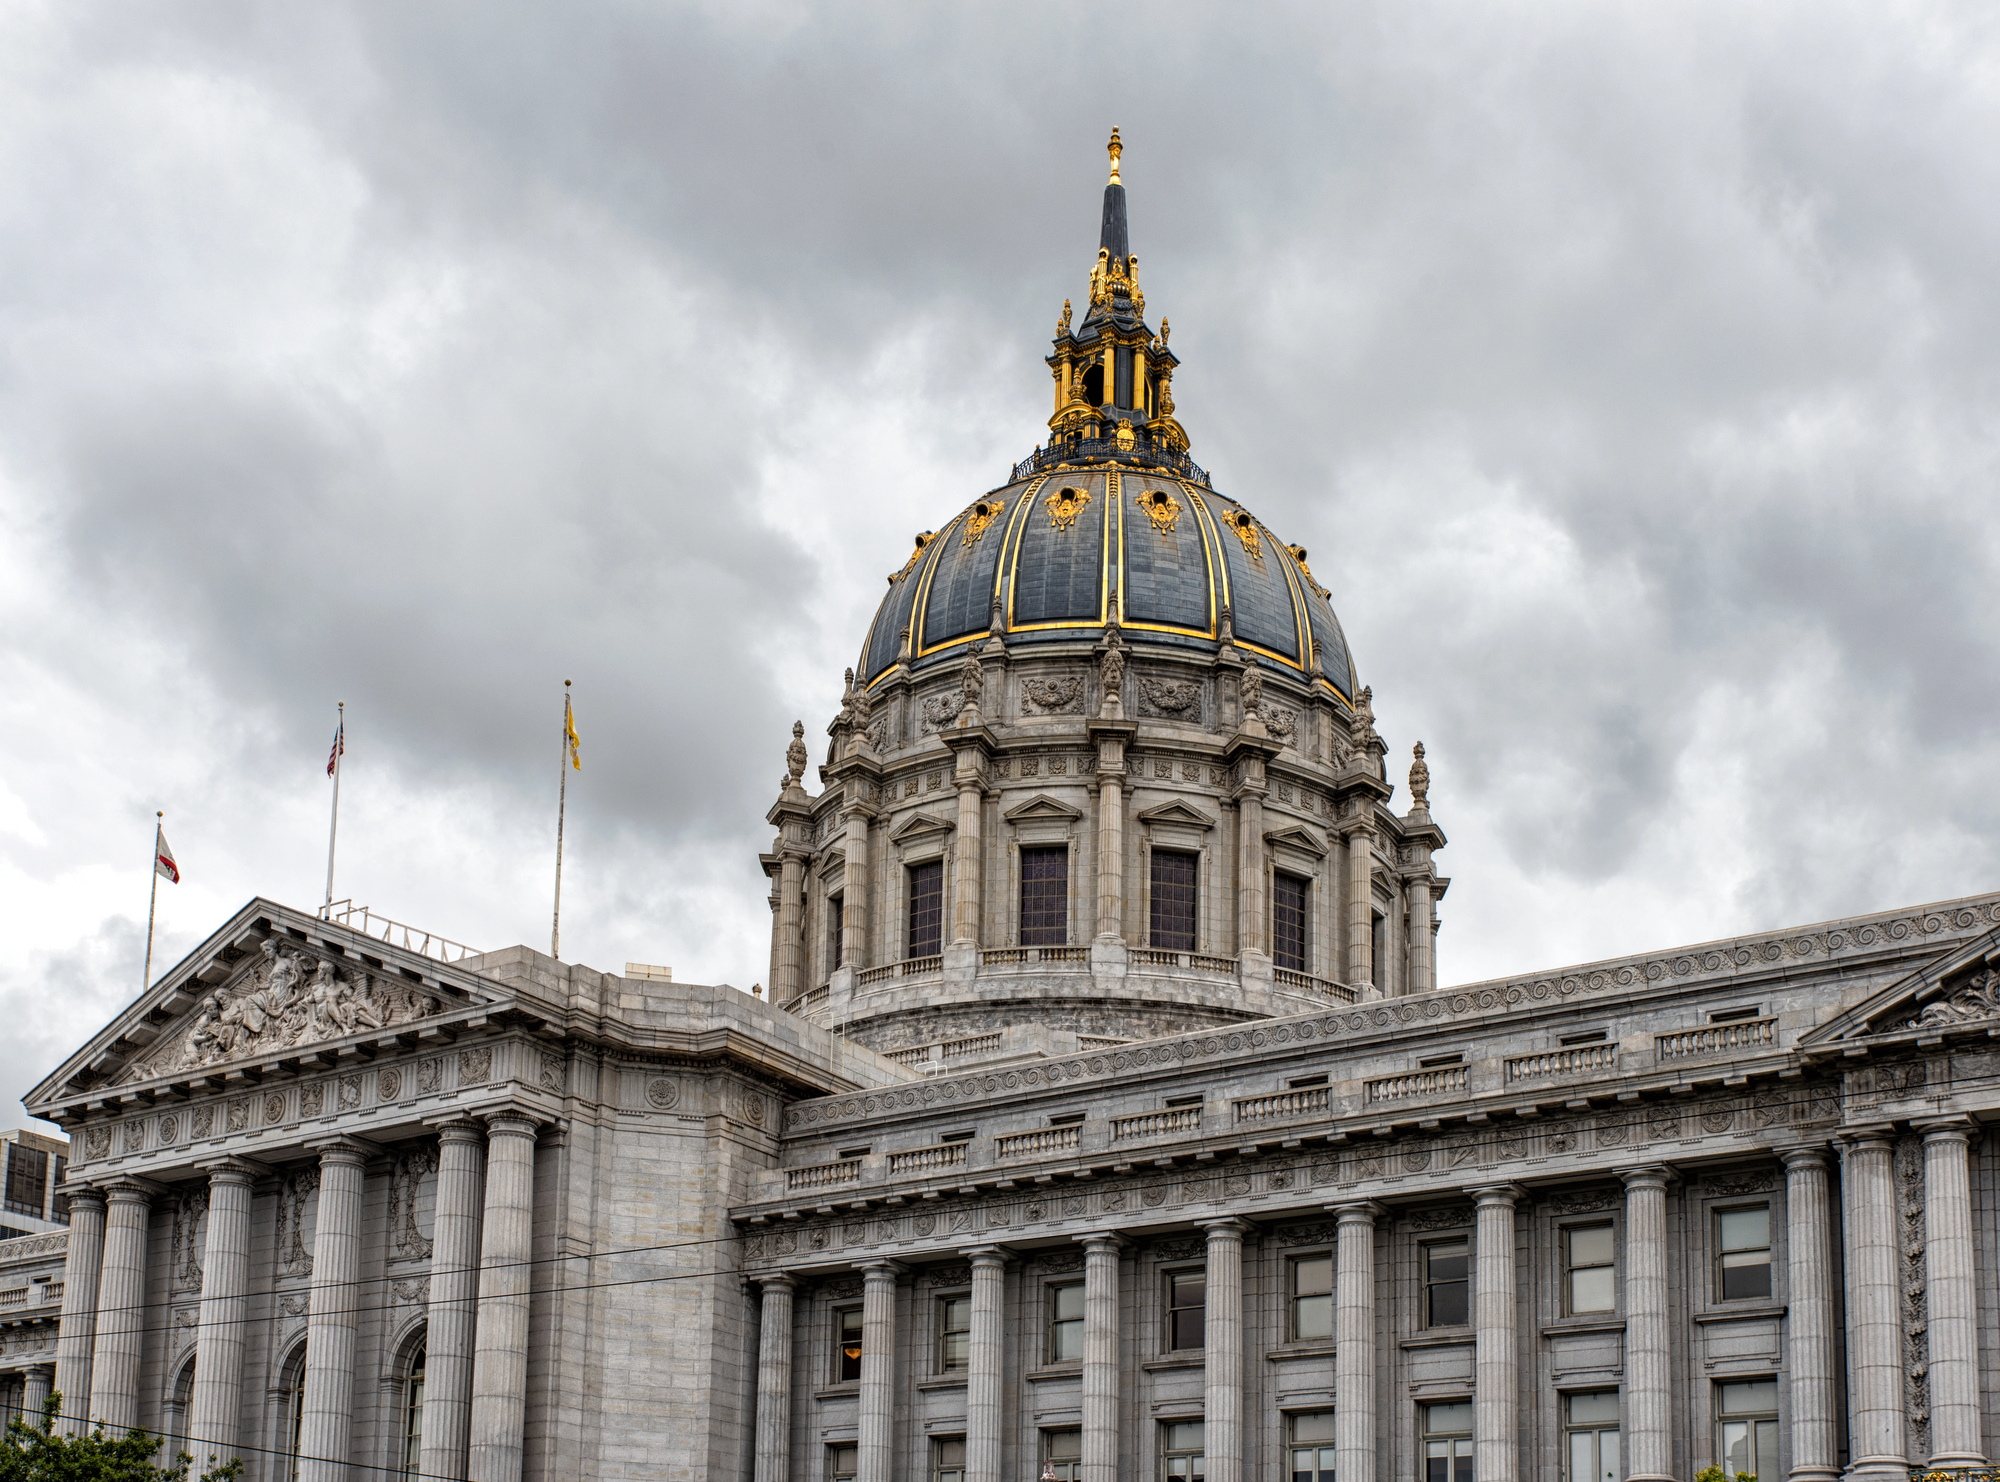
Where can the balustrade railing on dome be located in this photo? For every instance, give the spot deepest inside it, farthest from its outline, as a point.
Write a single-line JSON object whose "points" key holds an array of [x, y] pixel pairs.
{"points": [[1140, 453], [1325, 987], [1034, 956]]}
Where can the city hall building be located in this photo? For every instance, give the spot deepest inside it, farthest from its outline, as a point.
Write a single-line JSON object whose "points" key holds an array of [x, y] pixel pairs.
{"points": [[1105, 1119]]}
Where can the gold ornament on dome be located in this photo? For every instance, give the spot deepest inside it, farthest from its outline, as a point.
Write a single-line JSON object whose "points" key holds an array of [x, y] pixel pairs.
{"points": [[1064, 506], [1246, 531], [983, 514], [924, 538], [1299, 555], [1125, 438], [1161, 508]]}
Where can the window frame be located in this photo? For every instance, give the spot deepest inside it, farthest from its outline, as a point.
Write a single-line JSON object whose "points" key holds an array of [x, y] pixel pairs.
{"points": [[1044, 933], [834, 1471], [1565, 1235], [1067, 1468], [836, 928], [1169, 1452], [942, 1468], [1427, 1285], [413, 1413], [837, 1351], [1301, 962], [1593, 1429], [1051, 1321], [1722, 1252], [1323, 1450], [926, 871], [1754, 1419], [1169, 1328], [1154, 912], [1427, 1437], [1293, 1296], [942, 1305]]}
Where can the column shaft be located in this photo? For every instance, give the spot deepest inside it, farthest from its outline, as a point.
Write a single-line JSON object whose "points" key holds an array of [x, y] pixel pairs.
{"points": [[787, 979], [214, 1424], [1496, 1419], [1877, 1439], [968, 876], [1360, 906], [35, 1393], [878, 1372], [1110, 856], [326, 1428], [1648, 1399], [500, 1344], [1354, 1436], [854, 894], [1810, 1316], [1100, 1358], [1250, 924], [452, 1315], [1951, 1299], [76, 1333], [774, 1382], [1420, 936], [983, 1363], [121, 1304], [1222, 1355]]}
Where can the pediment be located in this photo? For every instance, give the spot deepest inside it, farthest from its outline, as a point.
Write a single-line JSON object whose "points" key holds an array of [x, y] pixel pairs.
{"points": [[1299, 837], [922, 823], [271, 981], [1958, 987], [1041, 806], [1177, 812]]}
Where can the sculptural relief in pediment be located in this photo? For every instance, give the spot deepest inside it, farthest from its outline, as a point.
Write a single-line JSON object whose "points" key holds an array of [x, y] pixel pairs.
{"points": [[290, 996], [1975, 999]]}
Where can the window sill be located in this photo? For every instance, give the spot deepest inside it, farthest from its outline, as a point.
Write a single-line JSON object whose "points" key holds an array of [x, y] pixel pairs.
{"points": [[1607, 1323], [839, 1392], [1306, 1348], [1452, 1337], [1158, 1365], [943, 1381], [1054, 1371], [1739, 1312]]}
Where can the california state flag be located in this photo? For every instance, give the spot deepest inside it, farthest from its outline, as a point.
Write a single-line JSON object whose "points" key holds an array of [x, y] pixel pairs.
{"points": [[163, 861]]}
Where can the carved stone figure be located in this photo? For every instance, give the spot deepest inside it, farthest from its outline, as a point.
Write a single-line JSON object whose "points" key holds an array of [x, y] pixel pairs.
{"points": [[1420, 779], [1978, 999], [795, 755], [1253, 693], [971, 685], [1112, 670]]}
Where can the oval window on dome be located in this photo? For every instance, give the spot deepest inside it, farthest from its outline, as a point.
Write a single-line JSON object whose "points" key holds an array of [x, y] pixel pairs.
{"points": [[1161, 508], [1245, 526]]}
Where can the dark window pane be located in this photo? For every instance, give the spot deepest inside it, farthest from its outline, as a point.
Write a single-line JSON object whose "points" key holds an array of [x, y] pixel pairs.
{"points": [[927, 909], [1190, 1328], [849, 1356], [836, 920], [27, 1179], [1746, 1275], [1448, 1304], [1045, 897], [1289, 897], [1173, 908]]}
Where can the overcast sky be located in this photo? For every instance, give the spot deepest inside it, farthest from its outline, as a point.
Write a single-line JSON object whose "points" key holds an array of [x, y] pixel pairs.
{"points": [[1629, 371]]}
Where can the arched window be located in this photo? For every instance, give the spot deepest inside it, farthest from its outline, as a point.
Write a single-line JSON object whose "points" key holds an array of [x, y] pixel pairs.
{"points": [[413, 1416], [296, 1418], [176, 1417]]}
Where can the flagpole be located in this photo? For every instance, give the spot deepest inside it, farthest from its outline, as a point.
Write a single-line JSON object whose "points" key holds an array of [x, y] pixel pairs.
{"points": [[152, 900], [333, 826], [562, 805]]}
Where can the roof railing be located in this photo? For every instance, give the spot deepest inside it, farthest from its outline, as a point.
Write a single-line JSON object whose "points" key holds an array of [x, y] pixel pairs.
{"points": [[1108, 449], [395, 933]]}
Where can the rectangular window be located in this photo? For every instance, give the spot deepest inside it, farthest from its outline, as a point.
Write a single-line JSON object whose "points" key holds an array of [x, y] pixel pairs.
{"points": [[1187, 1309], [1747, 1432], [1181, 1448], [59, 1202], [1066, 1323], [1312, 1447], [926, 909], [1447, 1288], [1045, 897], [954, 1333], [1587, 1281], [843, 1463], [1378, 956], [1173, 903], [1447, 1442], [847, 1344], [1312, 1297], [1743, 1253], [27, 1180], [1590, 1437], [1062, 1454], [1290, 899], [948, 1459], [836, 924]]}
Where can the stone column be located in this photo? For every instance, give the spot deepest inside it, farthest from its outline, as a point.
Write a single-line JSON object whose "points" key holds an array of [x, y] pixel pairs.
{"points": [[214, 1425], [500, 1346], [1354, 1438], [1648, 1393], [1951, 1296], [326, 1430], [121, 1306], [774, 1381], [1496, 1419], [1360, 906], [878, 1372], [983, 1415], [968, 874], [1100, 1358], [1810, 1316], [1251, 925], [854, 893], [1110, 851], [451, 1317], [35, 1391], [1222, 1355], [787, 972], [76, 1333], [1420, 936], [1877, 1440]]}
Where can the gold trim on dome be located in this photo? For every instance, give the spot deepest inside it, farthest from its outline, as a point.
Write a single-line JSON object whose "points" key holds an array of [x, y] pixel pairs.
{"points": [[1161, 508], [1211, 544], [1065, 505], [984, 513], [924, 538], [1244, 524], [1299, 555]]}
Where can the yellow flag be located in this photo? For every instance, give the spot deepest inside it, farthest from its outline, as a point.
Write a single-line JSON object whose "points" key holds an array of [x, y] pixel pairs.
{"points": [[569, 731]]}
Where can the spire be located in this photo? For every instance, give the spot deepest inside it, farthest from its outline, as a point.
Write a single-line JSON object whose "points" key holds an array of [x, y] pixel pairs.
{"points": [[1113, 240]]}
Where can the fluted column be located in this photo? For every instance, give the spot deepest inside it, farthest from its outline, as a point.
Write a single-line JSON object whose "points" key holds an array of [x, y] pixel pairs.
{"points": [[1251, 932], [327, 1428], [1110, 850], [1648, 1397], [854, 893], [1420, 936], [214, 1426], [876, 1431], [774, 1380], [1354, 1438], [1100, 1358], [983, 1363], [121, 1306], [1360, 906], [1877, 1439], [1222, 1356], [500, 1342], [968, 873], [787, 973], [452, 1315], [1809, 1318], [1951, 1296], [1496, 1363], [35, 1392], [76, 1334]]}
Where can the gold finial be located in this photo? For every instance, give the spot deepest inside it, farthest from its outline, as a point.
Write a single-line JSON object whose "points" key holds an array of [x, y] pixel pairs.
{"points": [[1115, 149]]}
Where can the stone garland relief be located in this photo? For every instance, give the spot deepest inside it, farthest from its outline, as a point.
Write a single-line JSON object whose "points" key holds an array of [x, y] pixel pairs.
{"points": [[190, 1210], [389, 1086], [289, 996], [1061, 696], [294, 1252], [1175, 699], [406, 1179], [474, 1067], [1907, 1162]]}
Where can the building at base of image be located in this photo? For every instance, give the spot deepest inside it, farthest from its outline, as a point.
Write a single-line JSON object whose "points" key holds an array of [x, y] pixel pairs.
{"points": [[1105, 1119]]}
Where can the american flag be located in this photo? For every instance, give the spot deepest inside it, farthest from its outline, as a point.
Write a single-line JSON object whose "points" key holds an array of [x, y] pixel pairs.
{"points": [[339, 745]]}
